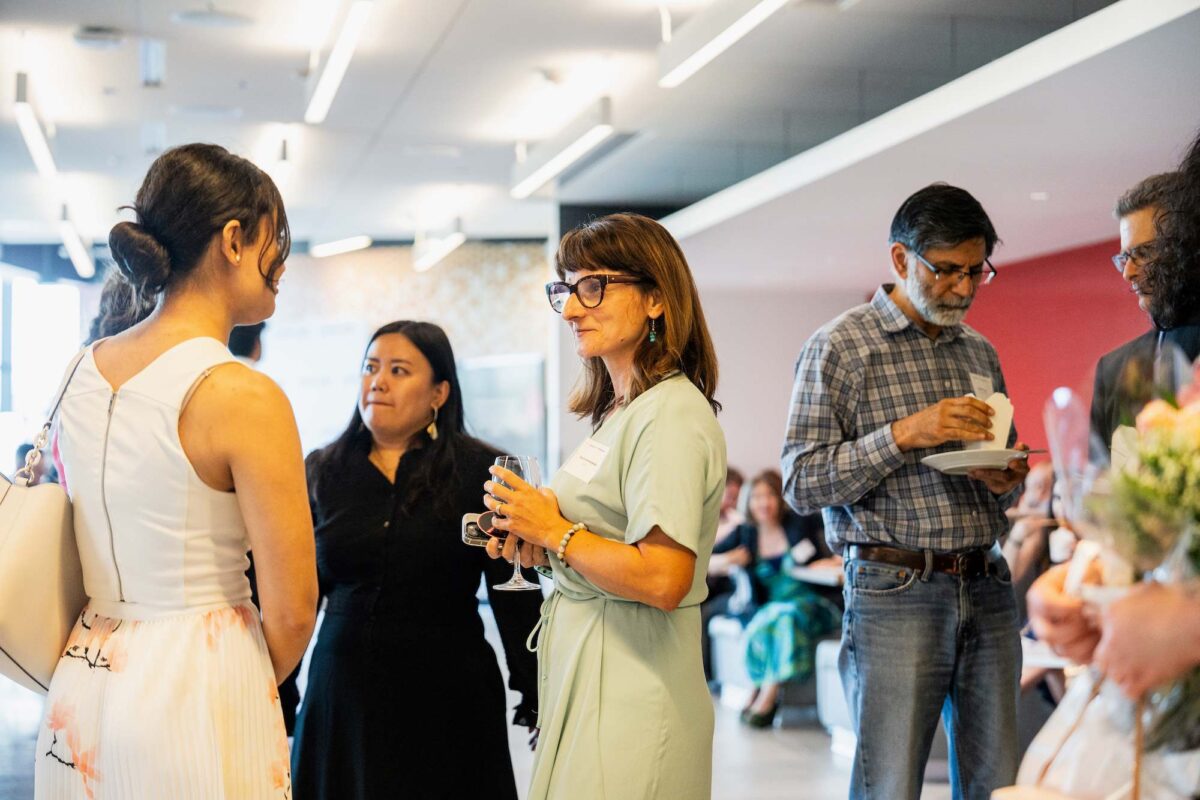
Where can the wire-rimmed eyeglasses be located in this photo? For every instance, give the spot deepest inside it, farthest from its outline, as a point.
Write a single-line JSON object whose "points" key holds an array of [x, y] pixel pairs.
{"points": [[1138, 254], [980, 274]]}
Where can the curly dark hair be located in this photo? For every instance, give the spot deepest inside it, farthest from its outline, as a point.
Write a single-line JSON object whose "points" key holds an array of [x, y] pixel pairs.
{"points": [[1173, 276]]}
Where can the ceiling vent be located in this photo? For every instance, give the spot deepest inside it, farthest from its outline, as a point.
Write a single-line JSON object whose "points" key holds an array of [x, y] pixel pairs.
{"points": [[99, 37], [211, 17]]}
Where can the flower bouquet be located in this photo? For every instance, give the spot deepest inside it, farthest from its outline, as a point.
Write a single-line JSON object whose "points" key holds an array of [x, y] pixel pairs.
{"points": [[1151, 514]]}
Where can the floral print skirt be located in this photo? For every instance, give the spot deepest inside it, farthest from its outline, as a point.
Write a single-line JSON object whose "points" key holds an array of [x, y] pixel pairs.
{"points": [[174, 707]]}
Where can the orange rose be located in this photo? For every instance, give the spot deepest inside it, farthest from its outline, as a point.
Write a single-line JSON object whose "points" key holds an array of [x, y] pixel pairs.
{"points": [[1187, 424], [1156, 416]]}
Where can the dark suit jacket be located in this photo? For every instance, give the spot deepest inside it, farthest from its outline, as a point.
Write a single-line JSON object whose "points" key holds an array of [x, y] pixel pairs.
{"points": [[1125, 380]]}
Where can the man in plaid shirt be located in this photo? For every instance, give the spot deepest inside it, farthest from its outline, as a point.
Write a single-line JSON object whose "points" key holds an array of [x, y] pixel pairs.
{"points": [[931, 622]]}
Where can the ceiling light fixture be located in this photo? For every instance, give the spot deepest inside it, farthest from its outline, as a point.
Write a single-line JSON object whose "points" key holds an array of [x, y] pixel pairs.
{"points": [[337, 62], [708, 35], [427, 253], [81, 259], [546, 162], [31, 130], [340, 246], [210, 17], [152, 62]]}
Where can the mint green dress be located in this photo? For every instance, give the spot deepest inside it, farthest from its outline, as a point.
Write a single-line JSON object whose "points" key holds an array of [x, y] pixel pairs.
{"points": [[624, 710]]}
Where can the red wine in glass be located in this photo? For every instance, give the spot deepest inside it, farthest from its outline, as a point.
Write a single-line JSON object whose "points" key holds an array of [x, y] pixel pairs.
{"points": [[487, 525]]}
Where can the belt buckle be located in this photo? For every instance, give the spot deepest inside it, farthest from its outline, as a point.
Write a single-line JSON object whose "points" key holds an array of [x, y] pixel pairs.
{"points": [[960, 564]]}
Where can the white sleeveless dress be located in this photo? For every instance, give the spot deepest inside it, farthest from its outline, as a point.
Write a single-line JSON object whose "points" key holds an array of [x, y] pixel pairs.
{"points": [[166, 688]]}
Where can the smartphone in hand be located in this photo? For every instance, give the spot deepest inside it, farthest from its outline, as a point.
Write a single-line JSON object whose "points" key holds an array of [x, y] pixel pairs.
{"points": [[471, 533]]}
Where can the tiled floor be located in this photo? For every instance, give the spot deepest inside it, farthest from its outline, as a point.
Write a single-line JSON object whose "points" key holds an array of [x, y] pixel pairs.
{"points": [[747, 765], [762, 765]]}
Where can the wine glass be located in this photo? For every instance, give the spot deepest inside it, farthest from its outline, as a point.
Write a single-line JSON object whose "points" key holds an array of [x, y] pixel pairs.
{"points": [[525, 468]]}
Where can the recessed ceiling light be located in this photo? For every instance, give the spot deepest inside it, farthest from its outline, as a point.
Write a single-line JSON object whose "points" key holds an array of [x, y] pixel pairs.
{"points": [[211, 17], [206, 111], [432, 150]]}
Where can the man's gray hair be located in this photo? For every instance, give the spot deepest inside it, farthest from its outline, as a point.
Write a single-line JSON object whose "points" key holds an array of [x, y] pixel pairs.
{"points": [[1150, 193]]}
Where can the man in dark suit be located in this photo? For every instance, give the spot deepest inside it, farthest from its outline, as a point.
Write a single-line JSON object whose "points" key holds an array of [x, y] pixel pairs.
{"points": [[1126, 378]]}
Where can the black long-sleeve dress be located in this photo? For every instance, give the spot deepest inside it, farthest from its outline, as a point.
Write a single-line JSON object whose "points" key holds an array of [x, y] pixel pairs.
{"points": [[404, 695]]}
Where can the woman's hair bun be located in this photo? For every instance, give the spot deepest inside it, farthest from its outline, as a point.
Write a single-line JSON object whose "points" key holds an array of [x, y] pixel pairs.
{"points": [[140, 257]]}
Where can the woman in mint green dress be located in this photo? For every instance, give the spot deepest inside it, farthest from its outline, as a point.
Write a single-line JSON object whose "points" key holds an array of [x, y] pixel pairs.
{"points": [[627, 527]]}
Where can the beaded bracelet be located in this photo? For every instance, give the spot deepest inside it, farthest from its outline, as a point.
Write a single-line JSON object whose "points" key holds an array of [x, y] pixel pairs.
{"points": [[562, 546]]}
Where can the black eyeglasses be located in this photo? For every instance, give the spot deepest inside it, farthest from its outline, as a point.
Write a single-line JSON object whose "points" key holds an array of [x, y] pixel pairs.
{"points": [[589, 289], [1139, 255], [980, 274]]}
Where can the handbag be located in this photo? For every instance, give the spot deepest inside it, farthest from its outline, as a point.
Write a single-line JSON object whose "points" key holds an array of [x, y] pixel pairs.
{"points": [[41, 578], [1086, 751]]}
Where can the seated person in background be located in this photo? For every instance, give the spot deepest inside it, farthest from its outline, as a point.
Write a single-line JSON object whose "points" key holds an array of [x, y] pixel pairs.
{"points": [[1027, 548], [720, 588], [781, 636], [731, 515], [1035, 495]]}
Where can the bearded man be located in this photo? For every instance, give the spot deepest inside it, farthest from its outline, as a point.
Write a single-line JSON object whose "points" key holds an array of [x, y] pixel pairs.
{"points": [[931, 622]]}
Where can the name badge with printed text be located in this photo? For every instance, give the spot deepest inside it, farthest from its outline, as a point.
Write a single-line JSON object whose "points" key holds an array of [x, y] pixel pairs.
{"points": [[981, 386], [585, 462]]}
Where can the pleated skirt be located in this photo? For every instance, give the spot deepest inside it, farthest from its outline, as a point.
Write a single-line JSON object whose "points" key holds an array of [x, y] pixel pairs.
{"points": [[182, 707]]}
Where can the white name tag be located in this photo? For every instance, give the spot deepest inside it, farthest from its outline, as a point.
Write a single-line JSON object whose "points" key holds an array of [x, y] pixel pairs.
{"points": [[803, 552], [981, 386], [585, 462]]}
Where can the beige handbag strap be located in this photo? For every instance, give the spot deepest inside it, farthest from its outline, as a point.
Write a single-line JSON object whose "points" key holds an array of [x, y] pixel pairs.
{"points": [[1139, 735], [24, 475]]}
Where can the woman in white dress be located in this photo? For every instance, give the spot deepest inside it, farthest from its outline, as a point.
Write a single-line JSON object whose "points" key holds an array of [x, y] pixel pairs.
{"points": [[178, 459]]}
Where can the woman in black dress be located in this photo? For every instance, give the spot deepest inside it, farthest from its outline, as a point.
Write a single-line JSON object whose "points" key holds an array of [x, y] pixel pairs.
{"points": [[405, 697]]}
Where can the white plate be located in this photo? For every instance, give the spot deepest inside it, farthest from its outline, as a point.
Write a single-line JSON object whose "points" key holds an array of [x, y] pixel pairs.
{"points": [[960, 462]]}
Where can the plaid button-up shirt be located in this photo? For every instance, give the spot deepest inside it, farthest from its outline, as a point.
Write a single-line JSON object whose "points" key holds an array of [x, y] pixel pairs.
{"points": [[856, 376]]}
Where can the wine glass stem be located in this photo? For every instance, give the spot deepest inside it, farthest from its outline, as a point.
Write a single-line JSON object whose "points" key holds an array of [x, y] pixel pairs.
{"points": [[517, 576]]}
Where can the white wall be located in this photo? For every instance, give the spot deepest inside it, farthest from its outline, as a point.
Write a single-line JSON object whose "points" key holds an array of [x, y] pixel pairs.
{"points": [[487, 296], [757, 334]]}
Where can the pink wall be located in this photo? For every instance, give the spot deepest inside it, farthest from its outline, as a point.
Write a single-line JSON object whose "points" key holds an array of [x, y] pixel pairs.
{"points": [[1050, 319]]}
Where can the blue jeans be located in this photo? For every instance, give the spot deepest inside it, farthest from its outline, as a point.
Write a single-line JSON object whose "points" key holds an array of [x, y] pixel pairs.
{"points": [[914, 646]]}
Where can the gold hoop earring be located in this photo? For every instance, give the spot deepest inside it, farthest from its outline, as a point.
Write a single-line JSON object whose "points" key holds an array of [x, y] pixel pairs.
{"points": [[432, 429]]}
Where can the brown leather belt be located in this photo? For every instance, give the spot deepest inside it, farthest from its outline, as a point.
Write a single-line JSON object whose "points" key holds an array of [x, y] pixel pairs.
{"points": [[968, 564]]}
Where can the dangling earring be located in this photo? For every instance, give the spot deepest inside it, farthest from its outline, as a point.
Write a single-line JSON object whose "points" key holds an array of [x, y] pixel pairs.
{"points": [[653, 330], [432, 429]]}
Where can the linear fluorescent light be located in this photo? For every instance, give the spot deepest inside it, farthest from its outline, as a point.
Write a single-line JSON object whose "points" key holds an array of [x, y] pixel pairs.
{"points": [[80, 258], [436, 250], [726, 38], [152, 62], [337, 248], [31, 130], [550, 159], [337, 62]]}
